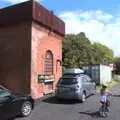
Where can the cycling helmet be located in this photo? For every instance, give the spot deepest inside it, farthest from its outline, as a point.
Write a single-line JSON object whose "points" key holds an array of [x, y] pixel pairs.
{"points": [[104, 86]]}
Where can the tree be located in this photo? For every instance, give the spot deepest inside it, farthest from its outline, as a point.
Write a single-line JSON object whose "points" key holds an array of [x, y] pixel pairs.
{"points": [[117, 64], [76, 50], [102, 54]]}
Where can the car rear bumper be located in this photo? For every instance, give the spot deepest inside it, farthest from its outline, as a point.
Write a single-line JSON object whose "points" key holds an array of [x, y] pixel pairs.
{"points": [[68, 95]]}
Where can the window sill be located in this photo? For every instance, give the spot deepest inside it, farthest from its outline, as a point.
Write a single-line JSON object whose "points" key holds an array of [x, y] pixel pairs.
{"points": [[46, 81]]}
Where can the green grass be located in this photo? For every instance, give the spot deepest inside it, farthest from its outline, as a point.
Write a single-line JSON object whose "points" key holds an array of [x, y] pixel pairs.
{"points": [[109, 85]]}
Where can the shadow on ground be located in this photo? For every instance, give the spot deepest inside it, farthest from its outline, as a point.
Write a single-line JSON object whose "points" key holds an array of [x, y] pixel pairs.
{"points": [[54, 100], [115, 95], [92, 114], [14, 118]]}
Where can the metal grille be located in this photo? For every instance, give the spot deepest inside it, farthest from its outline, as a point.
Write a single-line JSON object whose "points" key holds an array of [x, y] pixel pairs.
{"points": [[48, 63]]}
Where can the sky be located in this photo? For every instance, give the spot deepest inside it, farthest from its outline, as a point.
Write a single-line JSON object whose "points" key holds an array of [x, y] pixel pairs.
{"points": [[99, 19]]}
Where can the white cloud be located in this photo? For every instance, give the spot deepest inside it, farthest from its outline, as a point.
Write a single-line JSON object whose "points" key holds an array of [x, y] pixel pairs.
{"points": [[98, 26], [18, 1]]}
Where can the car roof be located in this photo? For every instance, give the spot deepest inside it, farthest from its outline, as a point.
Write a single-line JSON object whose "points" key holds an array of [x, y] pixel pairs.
{"points": [[74, 71], [72, 75]]}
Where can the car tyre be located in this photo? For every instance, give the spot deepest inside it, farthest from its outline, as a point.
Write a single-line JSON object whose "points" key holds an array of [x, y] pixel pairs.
{"points": [[26, 109], [83, 97]]}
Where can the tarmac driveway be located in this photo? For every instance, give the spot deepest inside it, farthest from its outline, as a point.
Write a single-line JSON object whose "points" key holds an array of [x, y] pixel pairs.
{"points": [[51, 109]]}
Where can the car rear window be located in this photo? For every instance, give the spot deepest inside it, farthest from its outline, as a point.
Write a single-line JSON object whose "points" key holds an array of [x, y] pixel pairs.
{"points": [[68, 81]]}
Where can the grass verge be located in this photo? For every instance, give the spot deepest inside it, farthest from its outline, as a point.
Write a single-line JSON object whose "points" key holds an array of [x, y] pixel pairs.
{"points": [[112, 84], [109, 85]]}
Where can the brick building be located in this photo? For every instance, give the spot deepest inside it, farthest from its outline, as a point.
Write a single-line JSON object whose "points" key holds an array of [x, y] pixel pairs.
{"points": [[30, 48]]}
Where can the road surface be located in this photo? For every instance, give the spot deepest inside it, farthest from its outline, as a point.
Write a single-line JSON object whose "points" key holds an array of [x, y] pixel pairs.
{"points": [[50, 109]]}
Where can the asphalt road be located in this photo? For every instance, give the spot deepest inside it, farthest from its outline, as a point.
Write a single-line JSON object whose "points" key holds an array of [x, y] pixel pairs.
{"points": [[50, 109]]}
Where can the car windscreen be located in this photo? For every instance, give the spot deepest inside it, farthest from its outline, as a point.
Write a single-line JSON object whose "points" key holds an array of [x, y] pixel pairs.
{"points": [[4, 93], [67, 81]]}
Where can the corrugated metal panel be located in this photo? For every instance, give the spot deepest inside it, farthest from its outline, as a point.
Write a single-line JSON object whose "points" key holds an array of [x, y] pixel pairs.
{"points": [[100, 73], [29, 11], [47, 18], [105, 74]]}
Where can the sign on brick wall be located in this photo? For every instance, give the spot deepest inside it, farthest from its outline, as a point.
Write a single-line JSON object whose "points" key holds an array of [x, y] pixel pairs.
{"points": [[45, 78]]}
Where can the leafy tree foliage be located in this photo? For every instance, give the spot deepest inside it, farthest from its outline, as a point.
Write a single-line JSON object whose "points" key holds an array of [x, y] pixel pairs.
{"points": [[78, 51], [103, 54], [117, 64]]}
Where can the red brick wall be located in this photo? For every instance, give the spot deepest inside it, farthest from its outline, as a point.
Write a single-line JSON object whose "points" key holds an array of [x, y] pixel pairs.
{"points": [[22, 55], [43, 40], [15, 57]]}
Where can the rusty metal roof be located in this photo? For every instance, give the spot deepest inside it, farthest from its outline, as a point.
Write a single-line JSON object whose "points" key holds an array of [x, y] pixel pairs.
{"points": [[31, 11]]}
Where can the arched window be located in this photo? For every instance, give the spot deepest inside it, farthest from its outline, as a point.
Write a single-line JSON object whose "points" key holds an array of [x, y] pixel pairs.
{"points": [[48, 63]]}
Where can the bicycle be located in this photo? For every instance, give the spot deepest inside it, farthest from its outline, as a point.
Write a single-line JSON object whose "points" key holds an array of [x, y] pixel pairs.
{"points": [[104, 110], [105, 107]]}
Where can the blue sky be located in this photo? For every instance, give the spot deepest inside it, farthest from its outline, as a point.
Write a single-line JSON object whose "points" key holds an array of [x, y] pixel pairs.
{"points": [[111, 6], [99, 19], [67, 5]]}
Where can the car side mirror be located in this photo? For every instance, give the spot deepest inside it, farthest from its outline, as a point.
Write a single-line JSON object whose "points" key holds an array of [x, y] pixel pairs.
{"points": [[94, 82]]}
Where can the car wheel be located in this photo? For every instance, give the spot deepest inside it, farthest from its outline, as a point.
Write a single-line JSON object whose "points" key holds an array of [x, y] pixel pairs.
{"points": [[26, 108], [83, 98]]}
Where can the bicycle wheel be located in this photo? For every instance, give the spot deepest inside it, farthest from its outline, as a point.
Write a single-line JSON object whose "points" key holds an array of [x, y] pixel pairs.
{"points": [[102, 110], [106, 111]]}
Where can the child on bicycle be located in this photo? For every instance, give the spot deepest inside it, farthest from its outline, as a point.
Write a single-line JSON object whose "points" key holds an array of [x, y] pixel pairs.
{"points": [[105, 96]]}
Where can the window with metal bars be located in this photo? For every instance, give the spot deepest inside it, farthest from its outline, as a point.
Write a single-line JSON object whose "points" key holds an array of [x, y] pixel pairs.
{"points": [[48, 63]]}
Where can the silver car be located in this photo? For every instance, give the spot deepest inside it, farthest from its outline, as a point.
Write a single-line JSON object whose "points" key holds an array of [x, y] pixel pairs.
{"points": [[75, 86]]}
